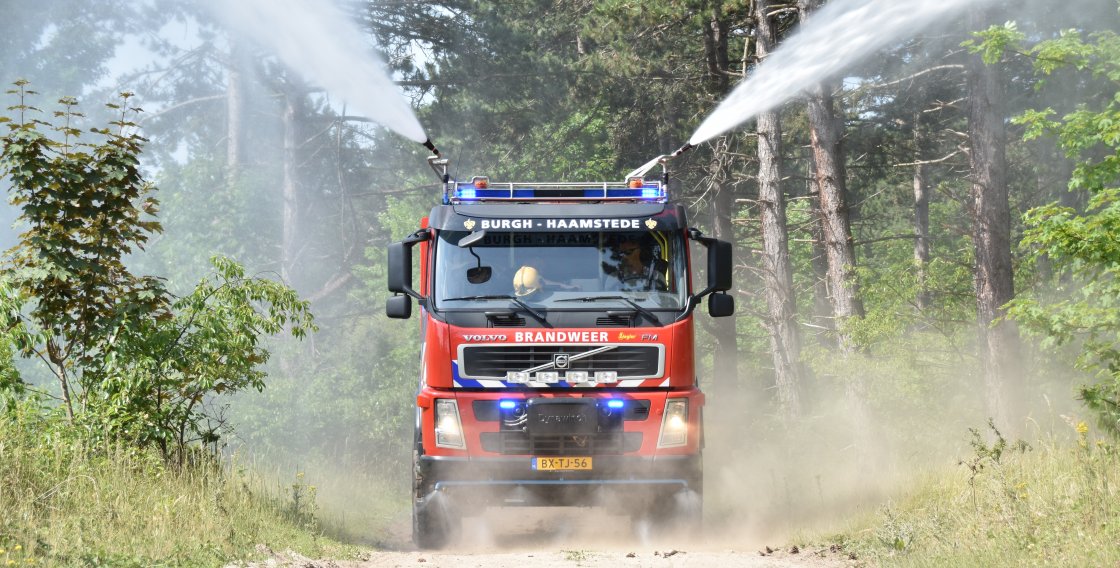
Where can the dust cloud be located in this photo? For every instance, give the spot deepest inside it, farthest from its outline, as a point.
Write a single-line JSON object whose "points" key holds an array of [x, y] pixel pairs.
{"points": [[766, 481]]}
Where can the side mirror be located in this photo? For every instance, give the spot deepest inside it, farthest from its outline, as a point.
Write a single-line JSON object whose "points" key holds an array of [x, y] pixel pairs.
{"points": [[400, 268], [398, 307], [719, 267], [400, 264], [719, 276], [721, 305]]}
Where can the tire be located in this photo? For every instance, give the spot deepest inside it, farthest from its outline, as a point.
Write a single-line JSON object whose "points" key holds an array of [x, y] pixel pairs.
{"points": [[433, 518]]}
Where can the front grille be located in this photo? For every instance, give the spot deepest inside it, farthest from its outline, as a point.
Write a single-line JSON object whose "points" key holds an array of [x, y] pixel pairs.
{"points": [[494, 361], [521, 443]]}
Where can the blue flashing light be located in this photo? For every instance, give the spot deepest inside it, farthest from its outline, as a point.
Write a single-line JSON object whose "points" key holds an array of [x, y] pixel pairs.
{"points": [[651, 193], [467, 193], [507, 404], [614, 403]]}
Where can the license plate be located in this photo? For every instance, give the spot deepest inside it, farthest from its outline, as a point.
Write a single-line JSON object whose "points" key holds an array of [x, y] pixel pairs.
{"points": [[561, 464]]}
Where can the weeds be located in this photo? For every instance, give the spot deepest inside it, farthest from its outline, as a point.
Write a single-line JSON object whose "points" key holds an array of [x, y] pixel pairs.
{"points": [[1011, 504], [895, 534], [303, 507], [576, 556], [68, 503]]}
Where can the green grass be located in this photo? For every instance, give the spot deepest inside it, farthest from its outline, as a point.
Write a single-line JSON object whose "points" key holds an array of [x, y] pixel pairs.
{"points": [[1008, 504], [63, 503]]}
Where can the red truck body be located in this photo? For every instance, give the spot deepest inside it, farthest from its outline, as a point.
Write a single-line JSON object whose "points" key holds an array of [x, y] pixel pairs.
{"points": [[557, 359]]}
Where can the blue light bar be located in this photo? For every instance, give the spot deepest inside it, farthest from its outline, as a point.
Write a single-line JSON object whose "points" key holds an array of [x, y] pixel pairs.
{"points": [[459, 192], [507, 404], [614, 403]]}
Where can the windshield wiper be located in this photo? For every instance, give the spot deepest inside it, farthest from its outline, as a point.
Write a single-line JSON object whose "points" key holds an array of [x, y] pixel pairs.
{"points": [[636, 306], [539, 316]]}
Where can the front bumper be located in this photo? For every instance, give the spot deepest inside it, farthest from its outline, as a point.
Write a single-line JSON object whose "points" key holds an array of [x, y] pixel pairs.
{"points": [[511, 481]]}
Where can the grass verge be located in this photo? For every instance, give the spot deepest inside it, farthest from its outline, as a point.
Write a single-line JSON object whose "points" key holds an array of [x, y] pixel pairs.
{"points": [[64, 503], [1008, 504]]}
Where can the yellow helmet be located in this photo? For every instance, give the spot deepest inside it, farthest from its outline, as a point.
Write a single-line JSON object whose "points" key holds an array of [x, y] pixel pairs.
{"points": [[526, 281]]}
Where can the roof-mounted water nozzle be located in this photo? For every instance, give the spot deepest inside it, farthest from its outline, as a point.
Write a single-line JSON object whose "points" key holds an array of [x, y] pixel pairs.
{"points": [[663, 160], [436, 161], [428, 144]]}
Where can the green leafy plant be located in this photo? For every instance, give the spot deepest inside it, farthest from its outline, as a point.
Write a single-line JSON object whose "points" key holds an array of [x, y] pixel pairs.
{"points": [[1079, 306], [132, 361], [84, 207]]}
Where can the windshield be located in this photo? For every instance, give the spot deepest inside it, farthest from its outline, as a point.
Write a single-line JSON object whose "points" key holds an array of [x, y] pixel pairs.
{"points": [[562, 270]]}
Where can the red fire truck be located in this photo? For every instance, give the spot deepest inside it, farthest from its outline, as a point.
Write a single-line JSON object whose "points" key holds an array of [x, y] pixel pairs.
{"points": [[557, 350]]}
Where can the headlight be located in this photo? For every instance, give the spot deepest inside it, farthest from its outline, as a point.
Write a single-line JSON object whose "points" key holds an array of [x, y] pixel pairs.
{"points": [[674, 424], [449, 431]]}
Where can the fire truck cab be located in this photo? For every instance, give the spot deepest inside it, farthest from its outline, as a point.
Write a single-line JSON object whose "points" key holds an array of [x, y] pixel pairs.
{"points": [[557, 350]]}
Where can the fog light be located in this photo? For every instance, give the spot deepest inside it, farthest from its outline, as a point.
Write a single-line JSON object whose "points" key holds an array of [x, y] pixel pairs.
{"points": [[576, 376], [548, 377], [517, 377], [674, 424], [607, 377], [449, 431]]}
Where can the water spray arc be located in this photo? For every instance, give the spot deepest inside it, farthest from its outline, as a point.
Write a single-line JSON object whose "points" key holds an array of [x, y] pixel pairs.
{"points": [[834, 38], [318, 42]]}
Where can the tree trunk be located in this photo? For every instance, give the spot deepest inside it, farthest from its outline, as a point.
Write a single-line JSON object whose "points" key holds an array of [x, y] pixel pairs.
{"points": [[235, 111], [785, 341], [822, 305], [839, 250], [843, 291], [991, 237], [828, 159], [921, 210], [55, 356], [715, 50], [290, 186]]}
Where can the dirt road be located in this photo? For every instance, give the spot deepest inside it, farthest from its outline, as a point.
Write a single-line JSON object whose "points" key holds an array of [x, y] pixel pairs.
{"points": [[576, 557], [564, 538]]}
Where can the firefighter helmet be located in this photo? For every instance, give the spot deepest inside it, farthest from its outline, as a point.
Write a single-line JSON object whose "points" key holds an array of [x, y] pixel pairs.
{"points": [[526, 281]]}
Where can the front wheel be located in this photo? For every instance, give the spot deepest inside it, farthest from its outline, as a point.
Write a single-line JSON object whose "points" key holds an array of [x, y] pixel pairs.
{"points": [[433, 518]]}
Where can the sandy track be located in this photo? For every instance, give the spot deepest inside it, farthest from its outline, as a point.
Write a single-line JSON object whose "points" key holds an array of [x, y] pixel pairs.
{"points": [[571, 558], [569, 538]]}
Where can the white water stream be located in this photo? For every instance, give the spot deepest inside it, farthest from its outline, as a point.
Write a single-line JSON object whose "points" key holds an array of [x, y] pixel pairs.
{"points": [[837, 36], [319, 42]]}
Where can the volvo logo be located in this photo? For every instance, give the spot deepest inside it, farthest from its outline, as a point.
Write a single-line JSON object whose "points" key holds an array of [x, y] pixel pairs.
{"points": [[560, 360], [496, 337]]}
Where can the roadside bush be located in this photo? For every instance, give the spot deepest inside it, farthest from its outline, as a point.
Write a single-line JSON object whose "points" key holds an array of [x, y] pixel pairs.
{"points": [[130, 362], [1008, 504], [69, 502]]}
